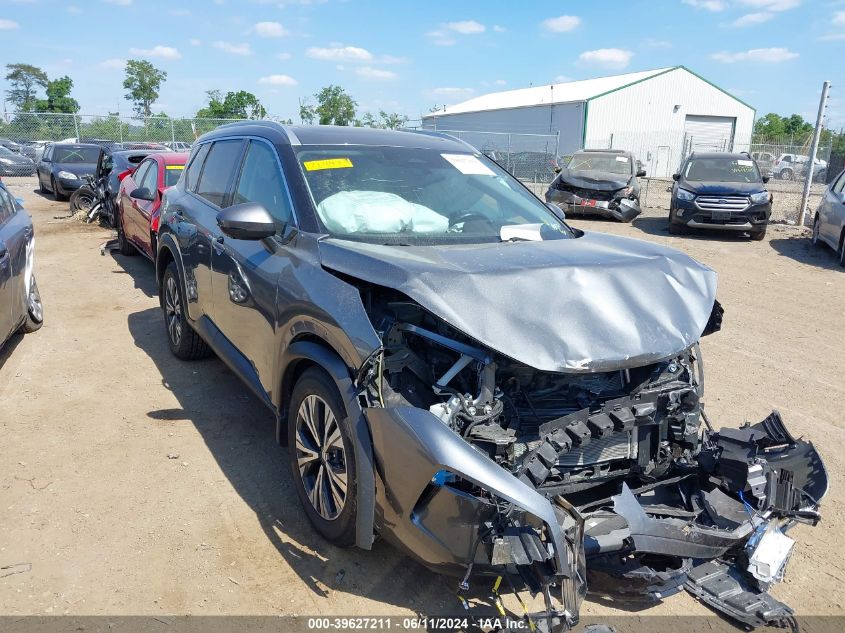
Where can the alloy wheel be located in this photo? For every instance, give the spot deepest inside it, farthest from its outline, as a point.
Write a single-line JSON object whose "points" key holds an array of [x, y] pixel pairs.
{"points": [[36, 310], [320, 457], [173, 311]]}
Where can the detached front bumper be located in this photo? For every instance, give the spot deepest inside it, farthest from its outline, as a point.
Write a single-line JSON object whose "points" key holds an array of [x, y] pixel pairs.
{"points": [[724, 517], [622, 209], [66, 185]]}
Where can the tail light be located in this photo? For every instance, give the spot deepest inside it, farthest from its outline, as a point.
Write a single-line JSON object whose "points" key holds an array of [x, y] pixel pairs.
{"points": [[123, 175]]}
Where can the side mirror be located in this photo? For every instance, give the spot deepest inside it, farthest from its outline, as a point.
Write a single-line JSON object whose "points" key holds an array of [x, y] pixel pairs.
{"points": [[557, 169], [142, 193], [556, 210], [766, 179], [247, 221], [676, 177], [641, 173]]}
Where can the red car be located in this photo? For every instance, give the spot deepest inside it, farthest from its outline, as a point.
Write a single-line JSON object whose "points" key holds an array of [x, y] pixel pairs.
{"points": [[139, 201]]}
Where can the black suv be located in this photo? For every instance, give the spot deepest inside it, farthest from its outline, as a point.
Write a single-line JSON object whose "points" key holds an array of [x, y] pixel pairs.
{"points": [[720, 191], [448, 361]]}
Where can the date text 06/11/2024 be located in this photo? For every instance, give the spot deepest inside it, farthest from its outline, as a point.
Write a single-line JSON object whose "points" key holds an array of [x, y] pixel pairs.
{"points": [[421, 623]]}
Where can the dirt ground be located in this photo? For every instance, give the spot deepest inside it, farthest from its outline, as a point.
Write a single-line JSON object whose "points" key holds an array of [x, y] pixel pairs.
{"points": [[134, 483]]}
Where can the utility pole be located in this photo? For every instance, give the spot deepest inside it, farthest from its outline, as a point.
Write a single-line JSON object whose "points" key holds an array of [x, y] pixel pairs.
{"points": [[808, 181]]}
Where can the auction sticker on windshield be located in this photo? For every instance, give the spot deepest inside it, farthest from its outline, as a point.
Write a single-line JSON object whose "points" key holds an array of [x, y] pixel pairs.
{"points": [[622, 159], [468, 164], [327, 163]]}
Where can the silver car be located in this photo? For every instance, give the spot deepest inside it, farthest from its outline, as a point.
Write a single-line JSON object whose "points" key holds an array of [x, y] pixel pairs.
{"points": [[829, 223]]}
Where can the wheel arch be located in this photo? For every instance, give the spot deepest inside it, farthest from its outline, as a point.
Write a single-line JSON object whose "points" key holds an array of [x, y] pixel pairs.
{"points": [[309, 350]]}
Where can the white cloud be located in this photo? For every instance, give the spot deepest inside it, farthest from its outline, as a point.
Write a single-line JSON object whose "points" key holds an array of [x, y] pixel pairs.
{"points": [[278, 80], [832, 37], [269, 29], [752, 19], [120, 3], [465, 27], [377, 74], [772, 5], [234, 49], [499, 28], [452, 92], [9, 24], [440, 38], [283, 56], [607, 57], [165, 52], [561, 24], [340, 54], [765, 55], [707, 5], [112, 64], [839, 18], [500, 82], [194, 41]]}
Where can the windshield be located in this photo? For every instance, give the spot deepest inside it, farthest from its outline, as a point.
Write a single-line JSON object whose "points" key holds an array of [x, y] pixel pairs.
{"points": [[421, 196], [722, 170], [76, 154], [5, 151], [609, 163], [172, 173]]}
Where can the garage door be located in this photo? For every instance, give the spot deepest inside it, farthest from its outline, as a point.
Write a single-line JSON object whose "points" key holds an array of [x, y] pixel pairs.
{"points": [[708, 133]]}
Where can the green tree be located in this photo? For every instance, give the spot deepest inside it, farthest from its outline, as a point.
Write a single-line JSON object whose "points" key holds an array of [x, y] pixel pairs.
{"points": [[142, 82], [307, 115], [334, 106], [235, 105], [773, 125], [392, 120], [25, 80], [58, 97]]}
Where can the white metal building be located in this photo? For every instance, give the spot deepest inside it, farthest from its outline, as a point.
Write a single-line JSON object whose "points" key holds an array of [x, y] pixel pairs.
{"points": [[660, 115]]}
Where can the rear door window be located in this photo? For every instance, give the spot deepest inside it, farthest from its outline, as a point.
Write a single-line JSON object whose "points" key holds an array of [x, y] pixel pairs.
{"points": [[195, 167], [261, 181], [218, 171]]}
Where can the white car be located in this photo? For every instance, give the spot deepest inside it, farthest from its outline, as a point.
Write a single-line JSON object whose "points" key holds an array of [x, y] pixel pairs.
{"points": [[788, 166]]}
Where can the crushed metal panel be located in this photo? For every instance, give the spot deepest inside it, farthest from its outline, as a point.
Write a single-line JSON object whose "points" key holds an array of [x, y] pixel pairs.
{"points": [[626, 303]]}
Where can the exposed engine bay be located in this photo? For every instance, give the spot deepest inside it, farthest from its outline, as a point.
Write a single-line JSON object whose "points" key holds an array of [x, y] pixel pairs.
{"points": [[649, 496]]}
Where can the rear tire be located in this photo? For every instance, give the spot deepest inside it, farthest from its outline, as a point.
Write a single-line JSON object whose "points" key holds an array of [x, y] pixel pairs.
{"points": [[842, 250], [125, 247], [786, 174], [41, 188], [82, 200], [34, 310], [322, 457], [184, 342]]}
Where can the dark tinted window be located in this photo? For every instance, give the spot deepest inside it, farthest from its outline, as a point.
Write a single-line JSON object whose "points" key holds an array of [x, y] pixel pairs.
{"points": [[218, 170], [150, 177], [140, 173], [195, 167], [261, 181], [7, 205]]}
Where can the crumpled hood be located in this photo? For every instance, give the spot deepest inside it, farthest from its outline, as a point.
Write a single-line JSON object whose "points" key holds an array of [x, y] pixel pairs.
{"points": [[595, 303], [596, 180], [715, 188]]}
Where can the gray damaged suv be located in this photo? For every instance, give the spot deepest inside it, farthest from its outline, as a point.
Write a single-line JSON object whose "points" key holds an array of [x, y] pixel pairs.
{"points": [[456, 369]]}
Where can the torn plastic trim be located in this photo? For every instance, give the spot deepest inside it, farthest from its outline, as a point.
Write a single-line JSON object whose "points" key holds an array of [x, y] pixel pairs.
{"points": [[675, 537]]}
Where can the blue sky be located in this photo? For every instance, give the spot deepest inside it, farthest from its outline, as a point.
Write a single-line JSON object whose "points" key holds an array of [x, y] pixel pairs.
{"points": [[407, 56]]}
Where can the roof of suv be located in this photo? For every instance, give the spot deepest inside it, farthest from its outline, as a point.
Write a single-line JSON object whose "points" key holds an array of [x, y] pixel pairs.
{"points": [[339, 135]]}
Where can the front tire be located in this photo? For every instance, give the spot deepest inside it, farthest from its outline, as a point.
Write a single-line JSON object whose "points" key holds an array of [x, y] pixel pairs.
{"points": [[184, 342], [56, 195], [816, 231], [34, 310], [322, 457], [758, 236]]}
